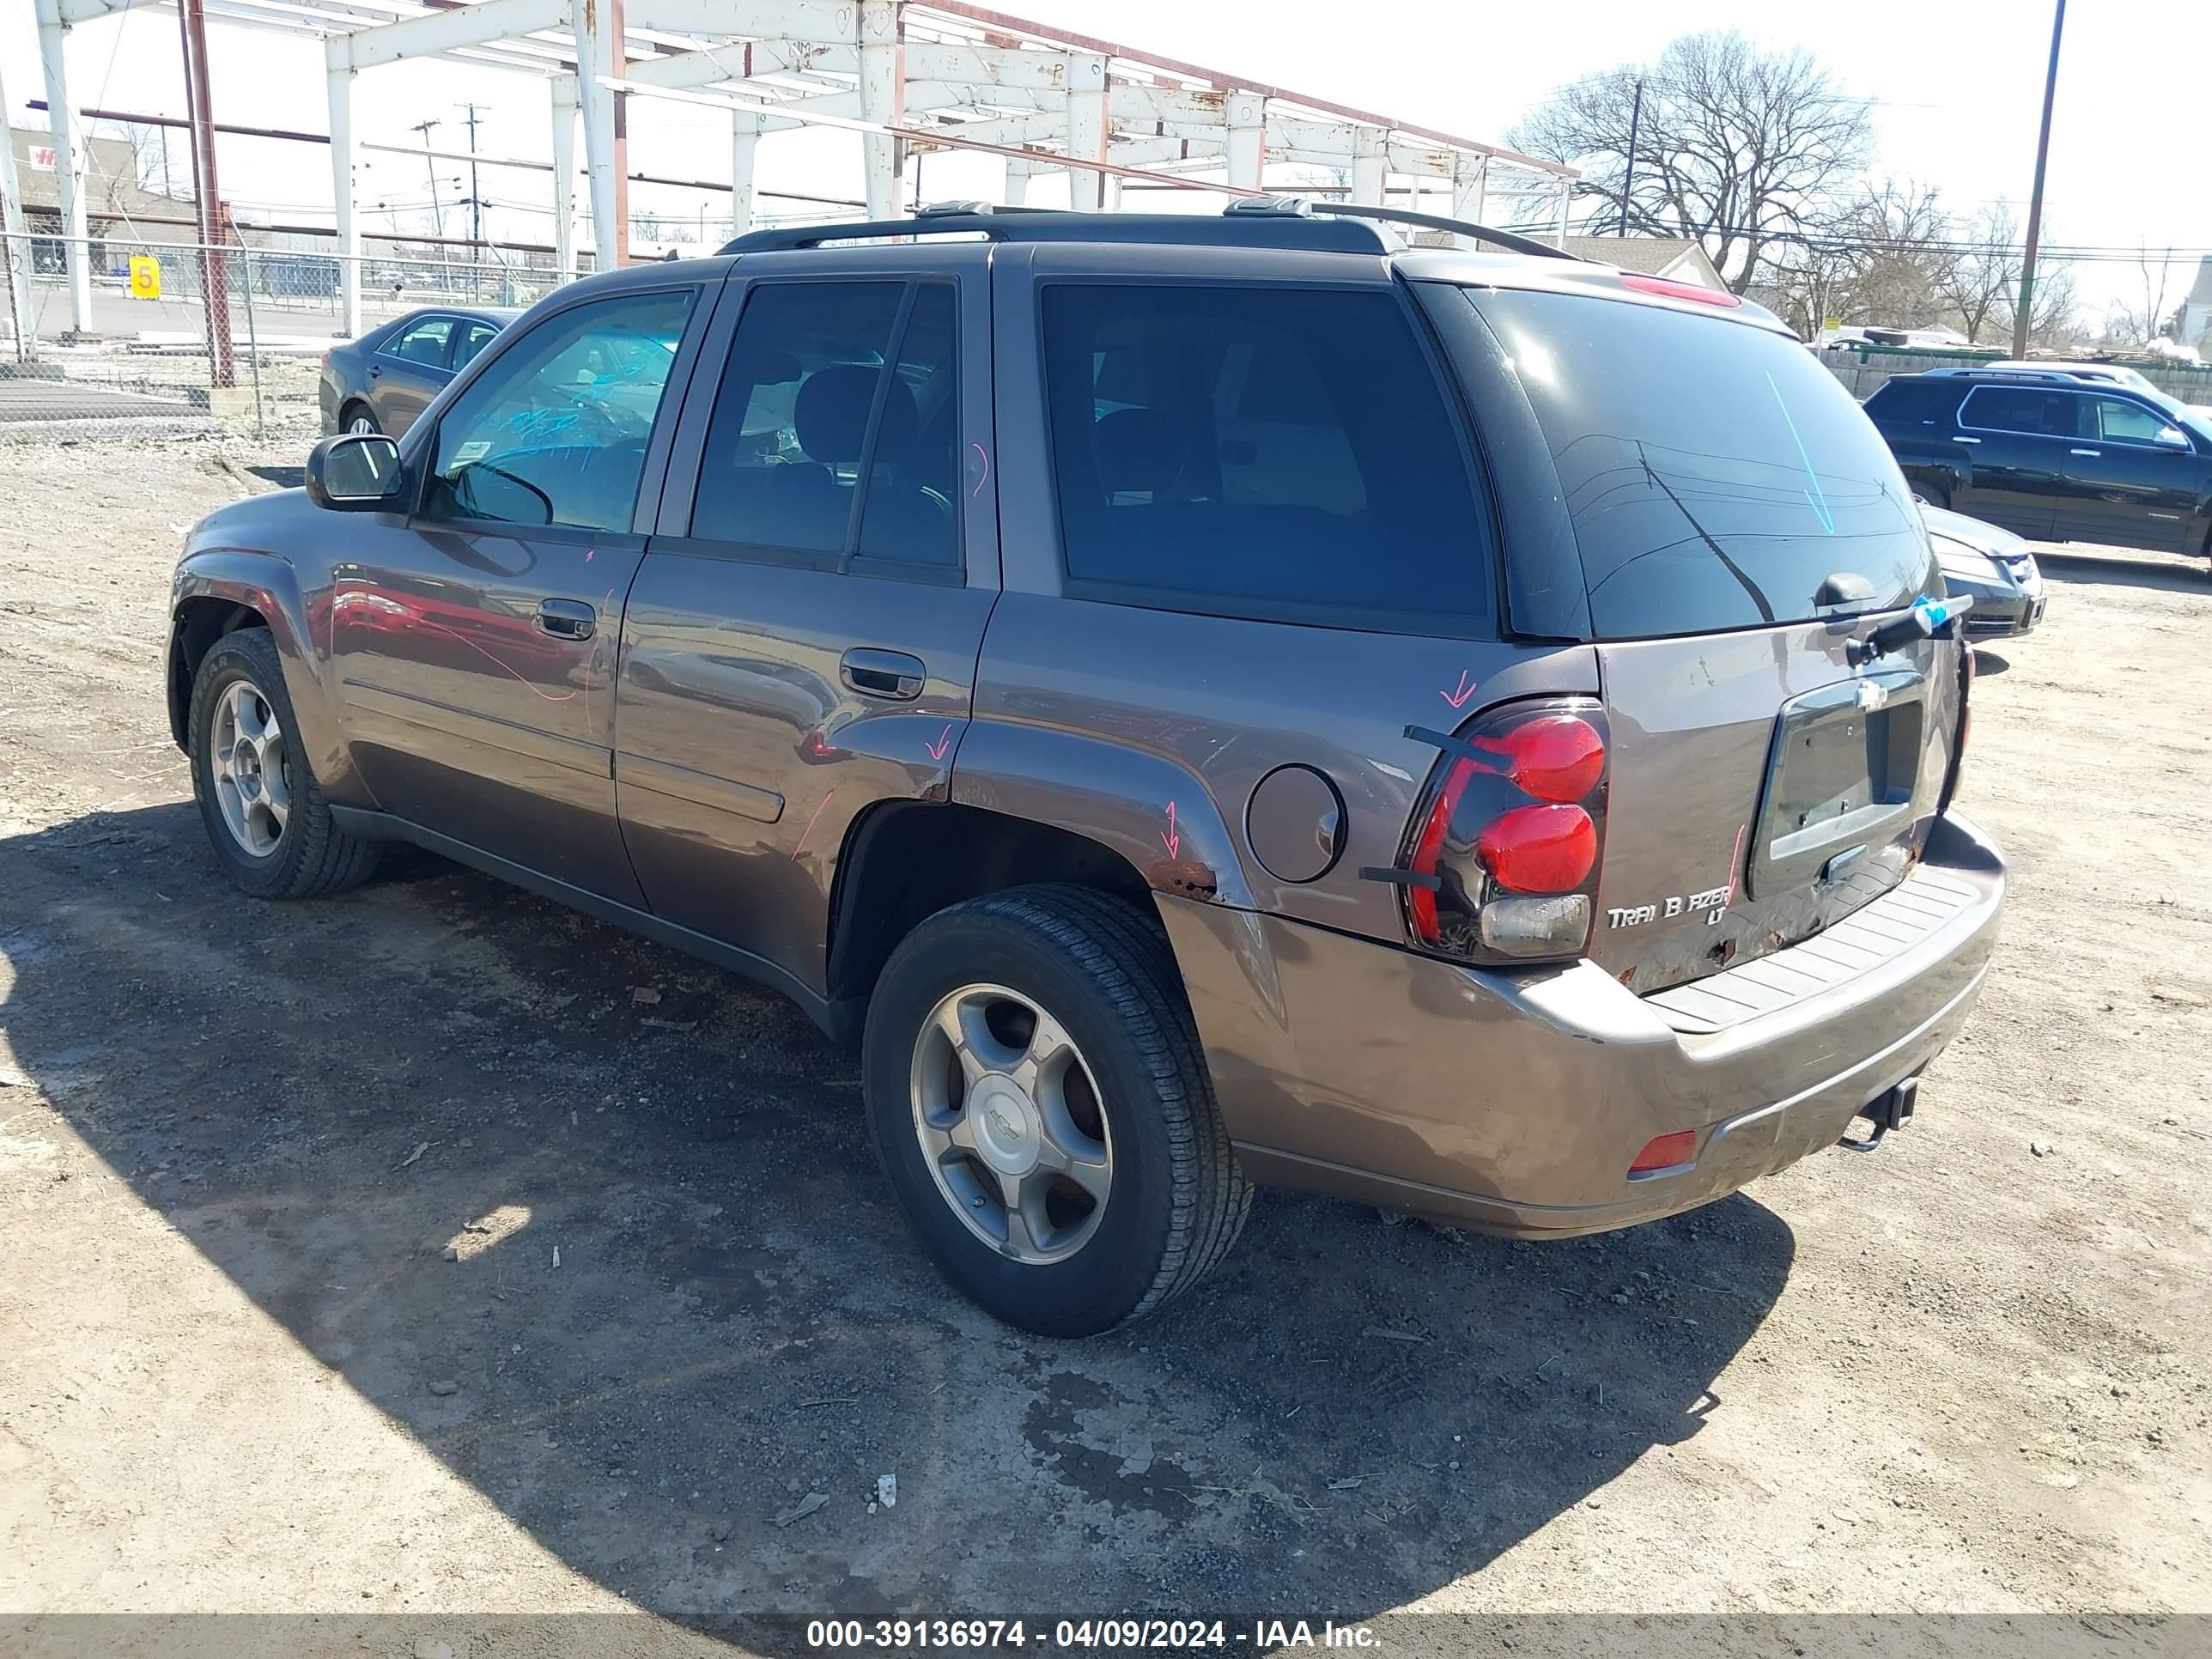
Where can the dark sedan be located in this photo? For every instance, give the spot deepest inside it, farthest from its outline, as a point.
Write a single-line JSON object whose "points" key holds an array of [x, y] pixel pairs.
{"points": [[382, 380]]}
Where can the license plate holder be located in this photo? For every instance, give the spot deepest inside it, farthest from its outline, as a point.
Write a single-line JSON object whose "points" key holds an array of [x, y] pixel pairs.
{"points": [[1840, 778]]}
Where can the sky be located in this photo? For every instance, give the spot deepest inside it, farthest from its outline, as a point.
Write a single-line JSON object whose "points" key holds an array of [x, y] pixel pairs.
{"points": [[1958, 85]]}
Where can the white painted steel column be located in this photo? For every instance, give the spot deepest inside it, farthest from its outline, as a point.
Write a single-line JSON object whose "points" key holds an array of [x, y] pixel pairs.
{"points": [[1247, 139], [1019, 174], [1567, 202], [1470, 192], [18, 251], [1086, 130], [565, 95], [880, 90], [343, 159], [1370, 165], [1470, 185], [596, 48], [69, 160], [744, 147]]}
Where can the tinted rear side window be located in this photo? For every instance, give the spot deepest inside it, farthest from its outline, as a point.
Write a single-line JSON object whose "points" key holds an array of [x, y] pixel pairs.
{"points": [[1714, 474], [1910, 402], [2024, 409], [1284, 453]]}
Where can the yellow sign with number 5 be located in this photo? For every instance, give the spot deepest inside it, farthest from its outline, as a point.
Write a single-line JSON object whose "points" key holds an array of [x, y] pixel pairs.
{"points": [[145, 276]]}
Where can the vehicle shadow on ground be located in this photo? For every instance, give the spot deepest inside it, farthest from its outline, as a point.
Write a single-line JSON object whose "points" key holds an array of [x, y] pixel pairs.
{"points": [[1987, 662], [1352, 1414], [2151, 570], [284, 478]]}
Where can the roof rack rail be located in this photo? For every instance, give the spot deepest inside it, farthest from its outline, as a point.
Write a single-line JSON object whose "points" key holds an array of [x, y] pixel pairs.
{"points": [[1248, 222], [1468, 228], [1008, 224]]}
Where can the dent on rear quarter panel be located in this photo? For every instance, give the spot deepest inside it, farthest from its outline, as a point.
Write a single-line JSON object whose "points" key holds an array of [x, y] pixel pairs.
{"points": [[1151, 811]]}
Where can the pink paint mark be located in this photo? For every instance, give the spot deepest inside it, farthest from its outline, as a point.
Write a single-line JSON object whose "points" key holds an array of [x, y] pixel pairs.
{"points": [[1736, 858], [549, 696], [587, 554], [943, 741], [986, 461], [1458, 697], [1171, 838], [811, 823], [605, 605]]}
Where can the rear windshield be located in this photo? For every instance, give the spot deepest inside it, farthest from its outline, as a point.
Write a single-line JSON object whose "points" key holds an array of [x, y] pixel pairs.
{"points": [[1903, 401], [1715, 475]]}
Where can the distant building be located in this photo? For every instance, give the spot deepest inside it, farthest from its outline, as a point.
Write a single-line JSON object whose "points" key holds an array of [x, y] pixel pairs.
{"points": [[115, 203], [1677, 259], [2196, 310]]}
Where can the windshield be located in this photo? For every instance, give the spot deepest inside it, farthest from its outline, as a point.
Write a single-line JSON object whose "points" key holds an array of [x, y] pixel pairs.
{"points": [[1714, 474]]}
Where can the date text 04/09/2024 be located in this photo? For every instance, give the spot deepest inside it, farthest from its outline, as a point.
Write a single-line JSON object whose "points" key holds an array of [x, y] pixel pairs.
{"points": [[1083, 1634]]}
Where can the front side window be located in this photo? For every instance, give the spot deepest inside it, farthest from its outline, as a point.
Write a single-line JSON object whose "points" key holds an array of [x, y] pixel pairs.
{"points": [[423, 342], [816, 447], [556, 431], [1285, 453], [2026, 410], [2119, 421]]}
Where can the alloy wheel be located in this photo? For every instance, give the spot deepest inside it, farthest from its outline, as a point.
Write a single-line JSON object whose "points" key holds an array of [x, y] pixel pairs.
{"points": [[253, 781], [1010, 1124]]}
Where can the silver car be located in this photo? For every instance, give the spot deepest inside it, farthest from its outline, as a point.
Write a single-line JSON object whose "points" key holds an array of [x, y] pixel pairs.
{"points": [[1994, 566]]}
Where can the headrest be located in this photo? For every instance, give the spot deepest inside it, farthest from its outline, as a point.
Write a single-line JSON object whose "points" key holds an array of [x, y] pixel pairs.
{"points": [[1136, 451], [831, 416]]}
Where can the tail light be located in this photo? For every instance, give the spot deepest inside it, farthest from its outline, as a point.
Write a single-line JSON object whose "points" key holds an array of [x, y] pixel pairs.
{"points": [[1503, 861]]}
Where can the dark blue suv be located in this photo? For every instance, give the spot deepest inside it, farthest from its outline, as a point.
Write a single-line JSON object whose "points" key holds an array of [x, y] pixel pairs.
{"points": [[2052, 456]]}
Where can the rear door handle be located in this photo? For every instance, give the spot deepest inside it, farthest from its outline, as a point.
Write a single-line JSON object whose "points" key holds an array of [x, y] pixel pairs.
{"points": [[876, 673], [1966, 440], [2092, 453], [567, 619]]}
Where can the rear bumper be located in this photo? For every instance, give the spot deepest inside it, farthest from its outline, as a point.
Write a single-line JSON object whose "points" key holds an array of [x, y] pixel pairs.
{"points": [[1514, 1103]]}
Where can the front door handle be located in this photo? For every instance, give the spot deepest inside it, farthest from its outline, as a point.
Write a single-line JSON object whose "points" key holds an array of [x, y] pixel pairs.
{"points": [[2092, 453], [567, 619], [876, 673], [1966, 440]]}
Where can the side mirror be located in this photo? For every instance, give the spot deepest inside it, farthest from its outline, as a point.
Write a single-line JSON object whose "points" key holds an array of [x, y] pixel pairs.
{"points": [[353, 472], [2173, 437]]}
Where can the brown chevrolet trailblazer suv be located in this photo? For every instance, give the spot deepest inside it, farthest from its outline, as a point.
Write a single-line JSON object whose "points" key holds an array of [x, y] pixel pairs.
{"points": [[1206, 701]]}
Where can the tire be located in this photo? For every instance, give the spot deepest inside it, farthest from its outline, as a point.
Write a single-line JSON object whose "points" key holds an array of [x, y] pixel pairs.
{"points": [[1101, 971], [301, 853], [358, 417]]}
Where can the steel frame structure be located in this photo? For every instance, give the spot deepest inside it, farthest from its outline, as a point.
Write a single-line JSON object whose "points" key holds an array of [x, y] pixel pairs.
{"points": [[907, 75]]}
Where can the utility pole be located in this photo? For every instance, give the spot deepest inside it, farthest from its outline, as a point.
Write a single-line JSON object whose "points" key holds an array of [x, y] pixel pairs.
{"points": [[2024, 316], [430, 166], [1628, 171], [475, 204], [215, 285]]}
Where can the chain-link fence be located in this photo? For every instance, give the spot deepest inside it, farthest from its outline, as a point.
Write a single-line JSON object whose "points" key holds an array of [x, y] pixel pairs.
{"points": [[146, 358]]}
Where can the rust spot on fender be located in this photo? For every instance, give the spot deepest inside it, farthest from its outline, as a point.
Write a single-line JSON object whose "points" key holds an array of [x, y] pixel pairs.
{"points": [[1186, 877]]}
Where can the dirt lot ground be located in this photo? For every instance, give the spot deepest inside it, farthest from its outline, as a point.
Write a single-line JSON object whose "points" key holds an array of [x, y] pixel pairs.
{"points": [[237, 1373]]}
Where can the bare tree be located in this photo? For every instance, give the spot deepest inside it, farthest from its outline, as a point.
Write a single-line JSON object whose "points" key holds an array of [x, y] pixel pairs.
{"points": [[1882, 256], [1978, 286], [2155, 313], [1738, 148], [2057, 319]]}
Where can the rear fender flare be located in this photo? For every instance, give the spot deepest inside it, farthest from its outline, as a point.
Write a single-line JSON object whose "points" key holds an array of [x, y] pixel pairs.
{"points": [[300, 628], [1152, 811]]}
